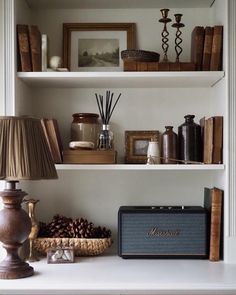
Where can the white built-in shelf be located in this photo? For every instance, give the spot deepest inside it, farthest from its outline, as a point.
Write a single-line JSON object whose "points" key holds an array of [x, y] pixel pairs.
{"points": [[69, 4], [112, 275], [121, 79], [139, 167]]}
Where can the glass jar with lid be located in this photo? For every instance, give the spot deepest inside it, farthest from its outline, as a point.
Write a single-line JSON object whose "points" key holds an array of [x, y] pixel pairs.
{"points": [[85, 127]]}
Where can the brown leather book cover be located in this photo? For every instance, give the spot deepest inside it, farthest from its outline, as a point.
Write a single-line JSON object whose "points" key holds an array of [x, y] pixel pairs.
{"points": [[24, 59], [43, 123], [217, 140], [36, 48], [213, 201], [197, 42], [208, 141], [139, 66], [130, 66], [217, 49], [206, 60], [53, 140], [202, 124]]}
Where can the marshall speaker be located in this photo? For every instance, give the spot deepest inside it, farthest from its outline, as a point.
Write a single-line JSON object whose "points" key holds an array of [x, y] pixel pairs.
{"points": [[163, 232]]}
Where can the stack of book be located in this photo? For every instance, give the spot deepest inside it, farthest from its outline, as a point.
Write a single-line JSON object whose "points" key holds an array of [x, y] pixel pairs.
{"points": [[212, 138], [52, 134], [207, 48], [29, 44]]}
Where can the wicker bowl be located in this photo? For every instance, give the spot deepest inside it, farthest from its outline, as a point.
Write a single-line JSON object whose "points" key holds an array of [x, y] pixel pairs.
{"points": [[82, 247], [139, 55]]}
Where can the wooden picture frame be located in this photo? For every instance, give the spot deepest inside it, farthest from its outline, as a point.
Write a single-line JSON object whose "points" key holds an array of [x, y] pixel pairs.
{"points": [[72, 50], [136, 144]]}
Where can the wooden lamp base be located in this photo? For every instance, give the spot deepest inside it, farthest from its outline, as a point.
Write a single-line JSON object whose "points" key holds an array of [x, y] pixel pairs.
{"points": [[15, 226]]}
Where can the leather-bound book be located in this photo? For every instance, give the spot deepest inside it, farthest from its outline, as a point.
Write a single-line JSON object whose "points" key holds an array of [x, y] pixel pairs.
{"points": [[197, 46], [208, 141], [24, 59], [206, 60], [217, 49], [54, 139], [213, 201], [36, 48], [217, 140]]}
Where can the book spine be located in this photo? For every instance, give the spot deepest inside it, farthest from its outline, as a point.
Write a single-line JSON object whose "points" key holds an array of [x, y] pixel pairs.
{"points": [[217, 140], [216, 208], [197, 46], [23, 49], [217, 46], [36, 47], [206, 60], [208, 141]]}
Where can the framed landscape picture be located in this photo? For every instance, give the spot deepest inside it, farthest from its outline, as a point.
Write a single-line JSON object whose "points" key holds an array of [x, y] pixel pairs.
{"points": [[136, 145], [96, 46]]}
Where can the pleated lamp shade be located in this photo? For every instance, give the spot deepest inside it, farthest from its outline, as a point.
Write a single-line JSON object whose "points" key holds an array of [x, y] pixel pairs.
{"points": [[24, 152]]}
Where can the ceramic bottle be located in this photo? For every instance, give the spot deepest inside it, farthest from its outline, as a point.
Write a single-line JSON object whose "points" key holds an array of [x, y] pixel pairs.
{"points": [[169, 146], [189, 140]]}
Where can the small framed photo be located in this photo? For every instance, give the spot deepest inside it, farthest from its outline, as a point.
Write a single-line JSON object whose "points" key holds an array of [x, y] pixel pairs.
{"points": [[60, 255], [96, 46], [136, 145]]}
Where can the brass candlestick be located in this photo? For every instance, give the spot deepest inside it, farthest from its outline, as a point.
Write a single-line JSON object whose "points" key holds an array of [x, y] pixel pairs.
{"points": [[165, 32], [178, 39], [31, 203]]}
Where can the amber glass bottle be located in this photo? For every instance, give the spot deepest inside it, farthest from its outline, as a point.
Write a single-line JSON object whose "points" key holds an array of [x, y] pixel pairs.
{"points": [[169, 146]]}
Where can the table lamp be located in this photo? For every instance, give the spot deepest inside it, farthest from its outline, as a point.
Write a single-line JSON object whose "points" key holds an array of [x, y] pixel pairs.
{"points": [[24, 155]]}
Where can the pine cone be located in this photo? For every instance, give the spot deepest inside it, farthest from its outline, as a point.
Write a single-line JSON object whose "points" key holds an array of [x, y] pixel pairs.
{"points": [[64, 227], [101, 232], [59, 227], [81, 228]]}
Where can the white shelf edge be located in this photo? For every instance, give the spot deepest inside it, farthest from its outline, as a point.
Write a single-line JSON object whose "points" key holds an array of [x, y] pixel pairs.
{"points": [[104, 4], [121, 79], [139, 167]]}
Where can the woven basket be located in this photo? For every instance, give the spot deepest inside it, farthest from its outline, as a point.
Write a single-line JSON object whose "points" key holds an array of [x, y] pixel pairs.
{"points": [[82, 247], [139, 55]]}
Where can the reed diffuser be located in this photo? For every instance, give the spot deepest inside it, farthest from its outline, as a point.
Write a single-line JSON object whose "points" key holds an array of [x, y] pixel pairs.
{"points": [[106, 108]]}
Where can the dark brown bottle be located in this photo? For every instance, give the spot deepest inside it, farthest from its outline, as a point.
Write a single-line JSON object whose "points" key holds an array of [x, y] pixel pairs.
{"points": [[189, 140], [169, 146]]}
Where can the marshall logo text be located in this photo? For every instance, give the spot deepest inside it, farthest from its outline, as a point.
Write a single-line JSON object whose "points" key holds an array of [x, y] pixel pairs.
{"points": [[156, 232]]}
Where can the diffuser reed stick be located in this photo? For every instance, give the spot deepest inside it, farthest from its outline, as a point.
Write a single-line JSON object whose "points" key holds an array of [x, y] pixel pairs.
{"points": [[106, 109]]}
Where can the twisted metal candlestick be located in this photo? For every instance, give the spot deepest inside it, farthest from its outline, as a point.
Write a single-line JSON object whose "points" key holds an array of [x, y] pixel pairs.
{"points": [[178, 39], [165, 32]]}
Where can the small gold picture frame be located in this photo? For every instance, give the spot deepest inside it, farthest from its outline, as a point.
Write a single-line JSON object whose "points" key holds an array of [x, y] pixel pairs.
{"points": [[60, 255], [136, 145]]}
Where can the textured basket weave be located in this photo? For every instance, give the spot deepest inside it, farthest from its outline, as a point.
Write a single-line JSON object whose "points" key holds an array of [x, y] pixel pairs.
{"points": [[139, 55], [82, 247]]}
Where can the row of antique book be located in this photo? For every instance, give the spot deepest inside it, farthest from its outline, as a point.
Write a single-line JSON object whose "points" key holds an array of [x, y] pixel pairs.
{"points": [[29, 48], [207, 48], [212, 136]]}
